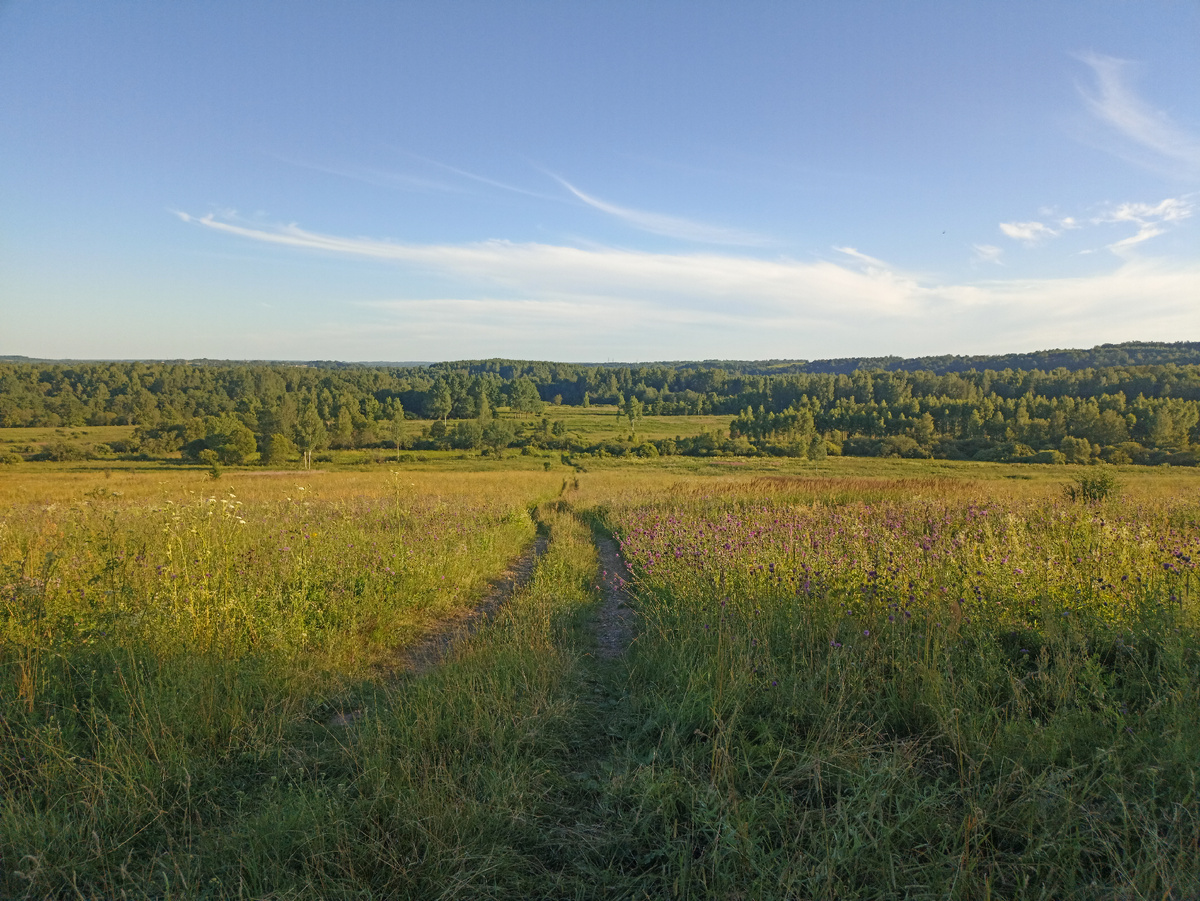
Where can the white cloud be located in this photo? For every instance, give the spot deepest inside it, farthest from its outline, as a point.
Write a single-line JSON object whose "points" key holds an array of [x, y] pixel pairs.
{"points": [[1173, 209], [564, 302], [871, 262], [1151, 220], [1027, 232], [1114, 102], [669, 226], [987, 253]]}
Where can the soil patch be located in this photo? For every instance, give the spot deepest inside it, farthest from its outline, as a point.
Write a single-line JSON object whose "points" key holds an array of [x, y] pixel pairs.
{"points": [[614, 620], [427, 653]]}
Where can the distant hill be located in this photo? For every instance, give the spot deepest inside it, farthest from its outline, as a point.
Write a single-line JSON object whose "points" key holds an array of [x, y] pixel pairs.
{"points": [[1130, 353], [1133, 353]]}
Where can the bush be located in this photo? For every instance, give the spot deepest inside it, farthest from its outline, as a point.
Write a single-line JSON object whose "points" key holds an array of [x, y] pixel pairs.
{"points": [[903, 446], [10, 459], [1093, 487], [1116, 456], [861, 446], [1046, 456], [62, 452], [277, 450], [1076, 450]]}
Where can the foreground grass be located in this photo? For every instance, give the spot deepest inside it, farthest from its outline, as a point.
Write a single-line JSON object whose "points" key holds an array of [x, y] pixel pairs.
{"points": [[805, 712], [912, 699], [157, 656]]}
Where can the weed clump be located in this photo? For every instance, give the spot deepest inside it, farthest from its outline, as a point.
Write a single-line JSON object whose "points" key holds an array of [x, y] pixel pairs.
{"points": [[1094, 487]]}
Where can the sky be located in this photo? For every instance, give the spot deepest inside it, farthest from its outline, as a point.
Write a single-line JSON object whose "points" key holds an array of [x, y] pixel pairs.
{"points": [[596, 181]]}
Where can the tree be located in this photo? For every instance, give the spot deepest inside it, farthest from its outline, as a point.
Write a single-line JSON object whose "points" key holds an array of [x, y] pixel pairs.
{"points": [[466, 435], [497, 435], [1076, 450], [633, 411], [523, 397], [310, 434], [394, 426], [441, 404], [343, 430], [233, 442], [923, 430], [278, 449]]}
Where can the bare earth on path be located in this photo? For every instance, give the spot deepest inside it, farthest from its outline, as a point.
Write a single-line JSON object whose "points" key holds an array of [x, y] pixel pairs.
{"points": [[427, 653], [614, 620]]}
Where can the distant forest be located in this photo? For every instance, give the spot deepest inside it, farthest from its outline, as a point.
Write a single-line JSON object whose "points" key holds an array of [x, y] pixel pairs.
{"points": [[1126, 403]]}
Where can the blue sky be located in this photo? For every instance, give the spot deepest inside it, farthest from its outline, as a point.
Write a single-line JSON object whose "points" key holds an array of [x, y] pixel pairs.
{"points": [[596, 181]]}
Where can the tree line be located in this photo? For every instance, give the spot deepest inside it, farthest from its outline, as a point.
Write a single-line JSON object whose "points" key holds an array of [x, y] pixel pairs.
{"points": [[1125, 413]]}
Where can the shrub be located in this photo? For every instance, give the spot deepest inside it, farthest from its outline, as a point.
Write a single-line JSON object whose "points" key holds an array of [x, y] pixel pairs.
{"points": [[902, 446], [1076, 450], [1116, 456], [1093, 487], [62, 452], [1046, 456]]}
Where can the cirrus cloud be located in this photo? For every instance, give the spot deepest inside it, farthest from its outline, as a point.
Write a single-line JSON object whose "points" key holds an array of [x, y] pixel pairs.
{"points": [[1028, 233], [756, 307]]}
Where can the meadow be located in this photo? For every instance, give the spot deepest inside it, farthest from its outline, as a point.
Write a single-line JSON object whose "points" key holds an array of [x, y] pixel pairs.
{"points": [[853, 678]]}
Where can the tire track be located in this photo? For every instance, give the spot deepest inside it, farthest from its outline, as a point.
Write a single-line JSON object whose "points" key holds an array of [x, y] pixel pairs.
{"points": [[432, 649], [421, 657], [614, 621]]}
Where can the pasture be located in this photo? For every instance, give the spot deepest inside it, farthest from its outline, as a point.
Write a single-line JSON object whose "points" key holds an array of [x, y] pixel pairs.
{"points": [[853, 678]]}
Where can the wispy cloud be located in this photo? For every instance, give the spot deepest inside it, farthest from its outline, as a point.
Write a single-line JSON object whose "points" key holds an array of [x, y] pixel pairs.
{"points": [[668, 226], [709, 278], [753, 306], [484, 180], [1114, 102], [379, 177], [1152, 220], [987, 253], [869, 261], [1029, 233], [1173, 209]]}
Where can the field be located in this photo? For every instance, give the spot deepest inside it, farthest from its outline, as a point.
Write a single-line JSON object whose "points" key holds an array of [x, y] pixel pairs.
{"points": [[587, 424], [854, 678]]}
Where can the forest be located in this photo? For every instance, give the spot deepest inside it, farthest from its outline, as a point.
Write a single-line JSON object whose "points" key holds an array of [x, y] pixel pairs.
{"points": [[1145, 413]]}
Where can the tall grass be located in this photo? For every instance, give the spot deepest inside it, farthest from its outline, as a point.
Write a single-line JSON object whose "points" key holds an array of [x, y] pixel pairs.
{"points": [[866, 687], [157, 658], [913, 699]]}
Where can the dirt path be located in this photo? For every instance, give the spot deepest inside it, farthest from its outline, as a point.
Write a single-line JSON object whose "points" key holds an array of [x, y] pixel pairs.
{"points": [[614, 620], [431, 650]]}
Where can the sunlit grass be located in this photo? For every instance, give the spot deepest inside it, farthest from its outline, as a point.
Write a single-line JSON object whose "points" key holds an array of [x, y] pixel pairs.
{"points": [[871, 687], [855, 678]]}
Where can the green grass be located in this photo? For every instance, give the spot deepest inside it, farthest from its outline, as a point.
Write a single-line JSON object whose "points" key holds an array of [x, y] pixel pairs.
{"points": [[770, 734]]}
